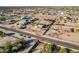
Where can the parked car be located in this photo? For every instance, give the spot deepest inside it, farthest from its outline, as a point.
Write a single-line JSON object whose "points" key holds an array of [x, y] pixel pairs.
{"points": [[45, 26]]}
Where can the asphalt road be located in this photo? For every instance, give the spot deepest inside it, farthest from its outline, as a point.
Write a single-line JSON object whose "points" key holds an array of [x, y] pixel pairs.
{"points": [[46, 39]]}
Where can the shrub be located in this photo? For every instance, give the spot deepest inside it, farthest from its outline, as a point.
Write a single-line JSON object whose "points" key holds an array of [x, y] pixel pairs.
{"points": [[49, 48], [63, 50], [2, 34], [7, 46], [77, 30]]}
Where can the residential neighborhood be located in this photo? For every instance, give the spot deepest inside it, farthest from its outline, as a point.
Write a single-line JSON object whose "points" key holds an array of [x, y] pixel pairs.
{"points": [[53, 29]]}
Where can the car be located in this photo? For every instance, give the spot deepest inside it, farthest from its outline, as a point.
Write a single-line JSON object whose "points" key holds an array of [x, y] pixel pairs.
{"points": [[45, 26]]}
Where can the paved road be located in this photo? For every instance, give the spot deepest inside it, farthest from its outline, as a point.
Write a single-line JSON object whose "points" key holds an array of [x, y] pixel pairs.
{"points": [[47, 39]]}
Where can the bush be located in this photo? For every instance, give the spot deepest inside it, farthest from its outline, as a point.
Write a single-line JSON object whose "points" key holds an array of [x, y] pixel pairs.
{"points": [[14, 49], [2, 20], [77, 30], [63, 50], [7, 46], [2, 34], [49, 48]]}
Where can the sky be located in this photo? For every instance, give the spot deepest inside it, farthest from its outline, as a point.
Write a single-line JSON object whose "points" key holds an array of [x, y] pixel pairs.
{"points": [[39, 2]]}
